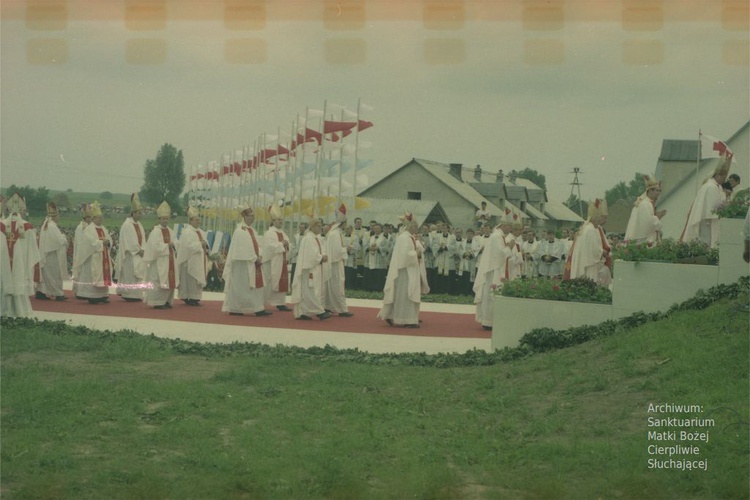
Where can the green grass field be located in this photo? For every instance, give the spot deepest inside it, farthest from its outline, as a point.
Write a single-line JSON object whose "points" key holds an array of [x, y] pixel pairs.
{"points": [[120, 415]]}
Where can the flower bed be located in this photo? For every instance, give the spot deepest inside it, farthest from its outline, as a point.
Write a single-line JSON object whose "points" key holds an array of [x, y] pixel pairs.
{"points": [[577, 290], [669, 250]]}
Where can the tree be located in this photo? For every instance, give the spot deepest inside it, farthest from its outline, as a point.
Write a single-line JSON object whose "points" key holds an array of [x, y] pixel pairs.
{"points": [[62, 201], [36, 199], [628, 192], [534, 177], [106, 195], [576, 205], [164, 178]]}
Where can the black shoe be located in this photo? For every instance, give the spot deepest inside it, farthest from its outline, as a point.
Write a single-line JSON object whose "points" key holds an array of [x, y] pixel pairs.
{"points": [[104, 300], [236, 314], [411, 326], [164, 306], [487, 327], [389, 321], [283, 308], [60, 298], [194, 302], [94, 301], [304, 317], [131, 299], [40, 296], [324, 315], [346, 314], [263, 313], [168, 305]]}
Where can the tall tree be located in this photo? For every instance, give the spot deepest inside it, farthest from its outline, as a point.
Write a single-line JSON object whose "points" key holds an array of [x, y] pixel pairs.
{"points": [[576, 205], [628, 192], [164, 178], [534, 176], [36, 199]]}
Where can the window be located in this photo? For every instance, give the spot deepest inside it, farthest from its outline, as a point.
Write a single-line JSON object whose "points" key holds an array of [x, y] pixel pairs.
{"points": [[414, 195]]}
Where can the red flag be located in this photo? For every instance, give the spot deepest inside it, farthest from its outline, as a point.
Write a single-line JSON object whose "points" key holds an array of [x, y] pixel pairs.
{"points": [[364, 125], [329, 126], [312, 134]]}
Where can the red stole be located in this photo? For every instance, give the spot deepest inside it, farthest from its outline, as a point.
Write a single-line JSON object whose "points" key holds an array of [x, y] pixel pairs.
{"points": [[13, 237], [106, 268], [284, 278], [168, 240], [138, 233], [258, 269], [606, 249]]}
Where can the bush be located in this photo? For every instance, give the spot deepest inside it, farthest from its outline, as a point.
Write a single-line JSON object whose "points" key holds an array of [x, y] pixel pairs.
{"points": [[575, 290], [669, 250]]}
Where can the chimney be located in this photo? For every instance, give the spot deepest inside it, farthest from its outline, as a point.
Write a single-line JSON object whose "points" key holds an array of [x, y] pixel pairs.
{"points": [[455, 171], [512, 176], [500, 177], [478, 173]]}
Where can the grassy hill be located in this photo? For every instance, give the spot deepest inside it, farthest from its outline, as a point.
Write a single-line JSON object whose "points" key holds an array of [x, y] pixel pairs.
{"points": [[87, 414]]}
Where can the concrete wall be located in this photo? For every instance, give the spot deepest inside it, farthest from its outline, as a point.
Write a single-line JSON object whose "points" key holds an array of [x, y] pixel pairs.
{"points": [[637, 286]]}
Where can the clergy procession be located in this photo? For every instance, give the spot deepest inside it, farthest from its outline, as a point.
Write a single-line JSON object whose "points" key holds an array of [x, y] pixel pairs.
{"points": [[307, 273]]}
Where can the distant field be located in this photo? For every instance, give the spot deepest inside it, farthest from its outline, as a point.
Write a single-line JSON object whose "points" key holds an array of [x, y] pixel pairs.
{"points": [[79, 198]]}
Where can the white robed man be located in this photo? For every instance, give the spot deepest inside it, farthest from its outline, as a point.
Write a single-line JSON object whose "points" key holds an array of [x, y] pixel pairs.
{"points": [[644, 225], [702, 223], [549, 254], [159, 258], [514, 266], [77, 244], [192, 260], [406, 280], [335, 286], [590, 254], [491, 273], [53, 262], [95, 272], [529, 248], [274, 249], [23, 255], [129, 265], [309, 279], [243, 271]]}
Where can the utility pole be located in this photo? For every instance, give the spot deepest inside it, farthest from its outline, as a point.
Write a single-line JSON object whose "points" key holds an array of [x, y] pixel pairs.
{"points": [[576, 184]]}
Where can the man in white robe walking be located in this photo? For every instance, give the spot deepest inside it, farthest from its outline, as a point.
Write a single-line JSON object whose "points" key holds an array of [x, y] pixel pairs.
{"points": [[702, 223], [192, 260], [406, 280], [335, 287], [23, 255], [243, 273], [309, 278], [590, 254], [159, 257], [644, 225], [95, 276], [130, 269], [491, 273], [53, 263], [275, 251]]}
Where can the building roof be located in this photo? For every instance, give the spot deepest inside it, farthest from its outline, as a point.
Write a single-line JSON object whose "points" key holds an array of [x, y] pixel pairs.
{"points": [[535, 213], [679, 150], [558, 211], [386, 210], [691, 173], [441, 171]]}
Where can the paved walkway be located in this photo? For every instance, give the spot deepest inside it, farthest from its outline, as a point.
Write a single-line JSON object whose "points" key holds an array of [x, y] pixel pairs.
{"points": [[375, 343]]}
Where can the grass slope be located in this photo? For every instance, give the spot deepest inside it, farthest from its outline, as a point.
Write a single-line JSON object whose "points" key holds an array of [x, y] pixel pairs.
{"points": [[127, 416]]}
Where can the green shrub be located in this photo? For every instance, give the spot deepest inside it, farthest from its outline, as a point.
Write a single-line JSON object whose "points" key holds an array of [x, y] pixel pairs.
{"points": [[575, 290]]}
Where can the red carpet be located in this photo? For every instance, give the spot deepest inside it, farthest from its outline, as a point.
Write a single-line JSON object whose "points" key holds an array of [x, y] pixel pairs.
{"points": [[434, 324]]}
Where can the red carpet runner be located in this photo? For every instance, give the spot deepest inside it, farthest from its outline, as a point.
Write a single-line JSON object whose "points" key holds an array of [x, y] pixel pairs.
{"points": [[434, 324]]}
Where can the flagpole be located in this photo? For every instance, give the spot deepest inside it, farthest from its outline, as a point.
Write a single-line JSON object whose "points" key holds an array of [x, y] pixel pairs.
{"points": [[698, 160], [356, 150], [318, 160]]}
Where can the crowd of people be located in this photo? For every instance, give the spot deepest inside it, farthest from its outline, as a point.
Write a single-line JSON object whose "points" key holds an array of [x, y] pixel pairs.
{"points": [[312, 269]]}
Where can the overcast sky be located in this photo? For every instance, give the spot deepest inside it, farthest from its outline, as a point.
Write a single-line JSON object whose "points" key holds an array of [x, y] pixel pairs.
{"points": [[598, 93]]}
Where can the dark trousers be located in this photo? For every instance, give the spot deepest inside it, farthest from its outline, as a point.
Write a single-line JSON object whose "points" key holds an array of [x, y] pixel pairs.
{"points": [[350, 277]]}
